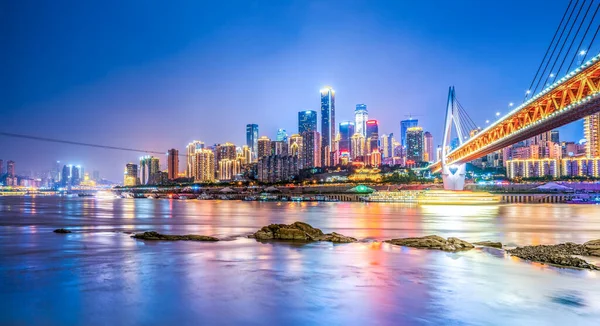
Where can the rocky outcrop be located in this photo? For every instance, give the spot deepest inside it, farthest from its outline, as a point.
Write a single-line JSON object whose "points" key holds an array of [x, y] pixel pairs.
{"points": [[151, 235], [593, 247], [61, 230], [561, 254], [433, 242], [489, 244], [298, 231]]}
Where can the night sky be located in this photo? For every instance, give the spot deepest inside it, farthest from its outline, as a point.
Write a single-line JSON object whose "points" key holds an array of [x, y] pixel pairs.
{"points": [[159, 76]]}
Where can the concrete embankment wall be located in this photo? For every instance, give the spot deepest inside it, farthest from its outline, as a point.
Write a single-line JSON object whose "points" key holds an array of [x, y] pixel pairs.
{"points": [[536, 198]]}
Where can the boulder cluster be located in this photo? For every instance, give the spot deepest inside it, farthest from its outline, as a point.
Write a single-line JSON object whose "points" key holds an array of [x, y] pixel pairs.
{"points": [[152, 235], [560, 254], [298, 231], [433, 242]]}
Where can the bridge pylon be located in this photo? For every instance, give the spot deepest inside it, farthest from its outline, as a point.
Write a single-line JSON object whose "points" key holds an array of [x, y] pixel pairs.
{"points": [[453, 175]]}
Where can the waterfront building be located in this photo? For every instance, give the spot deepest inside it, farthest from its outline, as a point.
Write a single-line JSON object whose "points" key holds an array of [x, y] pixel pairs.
{"points": [[1, 168], [252, 140], [279, 147], [149, 165], [327, 124], [554, 136], [387, 145], [311, 149], [581, 167], [428, 147], [10, 169], [191, 150], [205, 166], [96, 175], [307, 121], [404, 125], [172, 164], [228, 169], [277, 168], [295, 148], [372, 135], [346, 132], [357, 143], [131, 175], [591, 131], [65, 176], [264, 146], [361, 115], [533, 168], [414, 145], [87, 181], [75, 175], [246, 154], [375, 158], [225, 151], [282, 135]]}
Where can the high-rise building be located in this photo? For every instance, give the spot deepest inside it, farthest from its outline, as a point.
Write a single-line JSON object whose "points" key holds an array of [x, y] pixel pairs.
{"points": [[295, 148], [252, 140], [228, 169], [428, 154], [172, 164], [131, 175], [387, 145], [276, 168], [263, 146], [225, 151], [205, 166], [357, 143], [375, 158], [279, 147], [372, 135], [307, 121], [149, 166], [191, 150], [327, 124], [311, 149], [361, 115], [10, 169], [404, 125], [75, 175], [246, 154], [414, 144], [1, 168], [346, 132], [282, 135], [96, 175], [65, 176], [554, 136], [591, 132]]}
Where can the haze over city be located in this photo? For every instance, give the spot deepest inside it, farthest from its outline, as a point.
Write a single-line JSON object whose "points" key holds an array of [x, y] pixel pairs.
{"points": [[157, 78]]}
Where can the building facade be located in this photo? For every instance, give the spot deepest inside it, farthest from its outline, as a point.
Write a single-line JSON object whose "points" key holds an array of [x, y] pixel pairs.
{"points": [[591, 131], [414, 144], [404, 125], [173, 164], [327, 125], [428, 152], [205, 166], [277, 168], [346, 132], [252, 140], [361, 115], [311, 149], [264, 146], [131, 175]]}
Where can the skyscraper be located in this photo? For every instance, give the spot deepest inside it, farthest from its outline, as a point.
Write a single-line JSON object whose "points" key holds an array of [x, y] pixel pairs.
{"points": [[1, 167], [554, 136], [296, 148], [327, 124], [361, 115], [205, 166], [311, 149], [149, 166], [372, 135], [414, 144], [357, 143], [428, 154], [10, 168], [65, 176], [346, 132], [307, 121], [191, 149], [131, 175], [252, 140], [172, 164], [591, 132], [282, 135], [75, 175], [404, 125], [264, 146]]}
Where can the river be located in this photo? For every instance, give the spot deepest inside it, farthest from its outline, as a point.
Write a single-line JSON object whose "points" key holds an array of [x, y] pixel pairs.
{"points": [[99, 275]]}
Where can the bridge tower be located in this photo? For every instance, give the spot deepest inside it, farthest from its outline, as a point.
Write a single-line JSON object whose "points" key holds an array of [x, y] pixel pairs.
{"points": [[453, 175]]}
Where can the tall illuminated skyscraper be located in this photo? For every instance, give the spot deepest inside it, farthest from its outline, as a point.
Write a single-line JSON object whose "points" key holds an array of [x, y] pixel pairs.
{"points": [[172, 164], [75, 175], [1, 167], [404, 125], [295, 148], [372, 135], [264, 146], [327, 124], [428, 153], [205, 166], [591, 131], [346, 132], [357, 143], [414, 144], [149, 166], [311, 149], [252, 140], [361, 115], [131, 175], [307, 121], [282, 135], [191, 150]]}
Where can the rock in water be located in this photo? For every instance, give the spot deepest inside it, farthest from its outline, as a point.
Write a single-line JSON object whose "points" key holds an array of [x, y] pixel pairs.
{"points": [[593, 247], [61, 230], [554, 254], [433, 242], [298, 231], [152, 235], [489, 244]]}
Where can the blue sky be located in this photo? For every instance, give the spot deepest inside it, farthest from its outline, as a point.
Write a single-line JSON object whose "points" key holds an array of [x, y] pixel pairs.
{"points": [[157, 75]]}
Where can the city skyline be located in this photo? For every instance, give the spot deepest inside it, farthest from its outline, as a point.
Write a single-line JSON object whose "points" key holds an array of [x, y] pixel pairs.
{"points": [[414, 50]]}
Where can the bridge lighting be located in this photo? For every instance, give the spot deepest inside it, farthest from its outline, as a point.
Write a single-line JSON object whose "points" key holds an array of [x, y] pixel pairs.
{"points": [[551, 75], [487, 121], [497, 114], [511, 104], [528, 91], [582, 52]]}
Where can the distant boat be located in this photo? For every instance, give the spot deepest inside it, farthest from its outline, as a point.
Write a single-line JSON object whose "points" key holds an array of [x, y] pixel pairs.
{"points": [[86, 195]]}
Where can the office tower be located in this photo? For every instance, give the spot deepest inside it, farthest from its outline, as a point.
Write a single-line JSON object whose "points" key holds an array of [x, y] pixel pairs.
{"points": [[149, 166], [205, 166], [131, 175], [246, 154], [307, 121], [252, 140], [228, 169], [282, 135], [357, 143], [191, 150], [311, 149], [65, 176], [591, 132], [428, 147], [327, 124], [279, 147], [387, 145], [75, 175], [346, 132], [172, 164], [295, 148], [1, 168], [225, 151], [10, 168], [264, 146], [361, 115], [372, 135], [414, 144], [554, 136], [404, 125]]}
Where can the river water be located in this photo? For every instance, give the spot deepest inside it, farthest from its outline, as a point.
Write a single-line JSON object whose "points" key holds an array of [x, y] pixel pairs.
{"points": [[100, 275]]}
